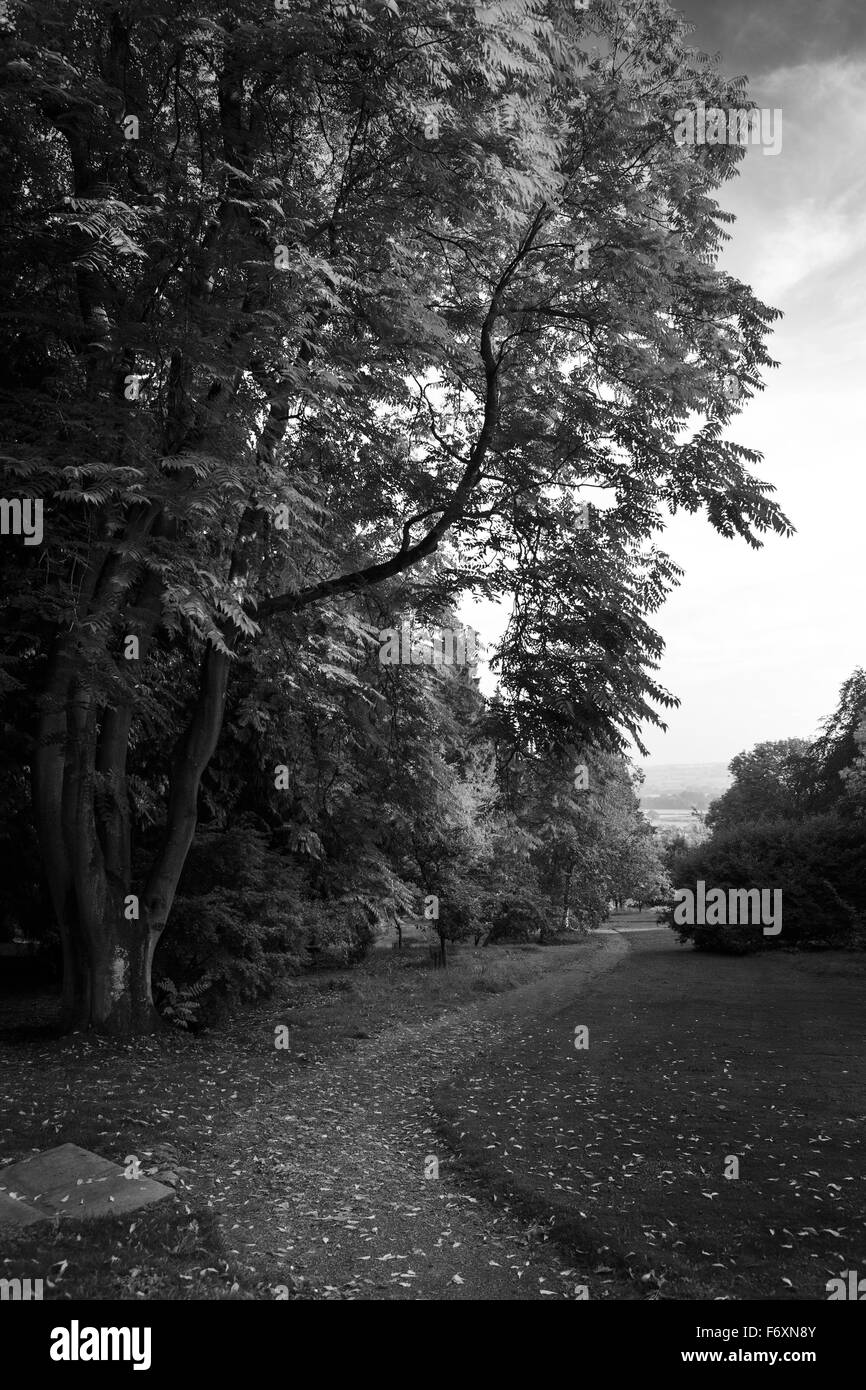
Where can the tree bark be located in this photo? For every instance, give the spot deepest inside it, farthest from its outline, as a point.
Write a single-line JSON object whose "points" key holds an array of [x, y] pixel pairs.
{"points": [[443, 957], [108, 933], [566, 895]]}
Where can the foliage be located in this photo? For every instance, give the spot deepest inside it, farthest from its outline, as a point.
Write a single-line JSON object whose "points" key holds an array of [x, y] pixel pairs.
{"points": [[241, 922], [817, 862], [767, 784], [516, 919], [180, 1004]]}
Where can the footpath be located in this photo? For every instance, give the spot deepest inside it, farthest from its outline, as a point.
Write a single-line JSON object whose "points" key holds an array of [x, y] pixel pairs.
{"points": [[341, 1208]]}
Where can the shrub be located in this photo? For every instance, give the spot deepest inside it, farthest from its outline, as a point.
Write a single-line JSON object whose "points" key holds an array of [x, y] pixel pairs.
{"points": [[244, 919], [239, 921], [342, 931], [180, 1005], [516, 919], [817, 862]]}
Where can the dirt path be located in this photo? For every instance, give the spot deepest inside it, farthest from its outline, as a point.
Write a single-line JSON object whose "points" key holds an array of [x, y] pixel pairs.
{"points": [[341, 1208]]}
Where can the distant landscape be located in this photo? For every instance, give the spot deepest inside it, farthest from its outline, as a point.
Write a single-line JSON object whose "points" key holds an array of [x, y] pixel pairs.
{"points": [[671, 790]]}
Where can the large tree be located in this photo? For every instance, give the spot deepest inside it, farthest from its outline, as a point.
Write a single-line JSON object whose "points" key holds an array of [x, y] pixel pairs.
{"points": [[297, 298]]}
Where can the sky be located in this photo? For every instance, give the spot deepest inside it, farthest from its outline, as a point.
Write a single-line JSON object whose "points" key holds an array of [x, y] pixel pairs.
{"points": [[758, 643]]}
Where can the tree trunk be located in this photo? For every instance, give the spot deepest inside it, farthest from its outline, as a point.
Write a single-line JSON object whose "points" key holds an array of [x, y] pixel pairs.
{"points": [[566, 896], [81, 807], [109, 990], [107, 954], [82, 820]]}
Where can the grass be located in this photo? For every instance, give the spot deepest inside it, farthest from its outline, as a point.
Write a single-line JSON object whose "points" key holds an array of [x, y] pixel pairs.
{"points": [[621, 1150]]}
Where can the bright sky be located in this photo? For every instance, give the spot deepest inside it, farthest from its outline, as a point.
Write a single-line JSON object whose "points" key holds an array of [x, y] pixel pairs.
{"points": [[759, 642]]}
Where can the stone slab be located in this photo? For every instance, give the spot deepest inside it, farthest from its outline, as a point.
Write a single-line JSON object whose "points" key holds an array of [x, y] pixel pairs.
{"points": [[14, 1211], [73, 1182], [56, 1171]]}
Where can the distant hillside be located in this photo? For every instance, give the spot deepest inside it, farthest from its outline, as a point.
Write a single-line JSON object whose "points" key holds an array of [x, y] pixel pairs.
{"points": [[679, 786]]}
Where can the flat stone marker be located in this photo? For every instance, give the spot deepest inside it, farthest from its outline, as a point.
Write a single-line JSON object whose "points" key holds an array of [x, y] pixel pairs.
{"points": [[14, 1211], [72, 1182]]}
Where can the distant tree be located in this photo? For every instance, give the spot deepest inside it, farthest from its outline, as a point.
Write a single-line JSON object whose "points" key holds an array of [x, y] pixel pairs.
{"points": [[586, 846], [854, 777], [767, 784]]}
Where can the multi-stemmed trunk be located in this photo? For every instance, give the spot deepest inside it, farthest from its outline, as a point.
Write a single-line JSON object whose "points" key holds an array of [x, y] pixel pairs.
{"points": [[110, 926]]}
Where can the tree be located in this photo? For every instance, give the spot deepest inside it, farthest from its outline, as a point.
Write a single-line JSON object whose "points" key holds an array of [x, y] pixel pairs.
{"points": [[439, 792], [832, 765], [584, 845], [854, 777], [639, 871], [766, 784], [314, 310]]}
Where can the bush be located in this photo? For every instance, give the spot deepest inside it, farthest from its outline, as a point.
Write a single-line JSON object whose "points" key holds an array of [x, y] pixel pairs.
{"points": [[244, 919], [515, 919], [239, 923], [342, 931], [817, 862]]}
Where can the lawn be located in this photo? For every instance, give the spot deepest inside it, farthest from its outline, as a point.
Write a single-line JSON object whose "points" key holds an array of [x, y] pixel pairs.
{"points": [[693, 1060]]}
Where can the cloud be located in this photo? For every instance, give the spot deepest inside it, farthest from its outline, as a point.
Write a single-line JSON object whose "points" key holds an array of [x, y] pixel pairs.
{"points": [[803, 213], [751, 37]]}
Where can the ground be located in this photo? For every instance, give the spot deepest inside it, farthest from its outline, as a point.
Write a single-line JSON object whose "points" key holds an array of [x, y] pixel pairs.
{"points": [[301, 1172], [709, 1143]]}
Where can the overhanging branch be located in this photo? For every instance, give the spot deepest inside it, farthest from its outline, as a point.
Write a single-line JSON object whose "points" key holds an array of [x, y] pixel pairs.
{"points": [[409, 555]]}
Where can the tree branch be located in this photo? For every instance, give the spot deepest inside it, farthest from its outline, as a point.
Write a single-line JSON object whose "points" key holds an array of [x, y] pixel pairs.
{"points": [[409, 555]]}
